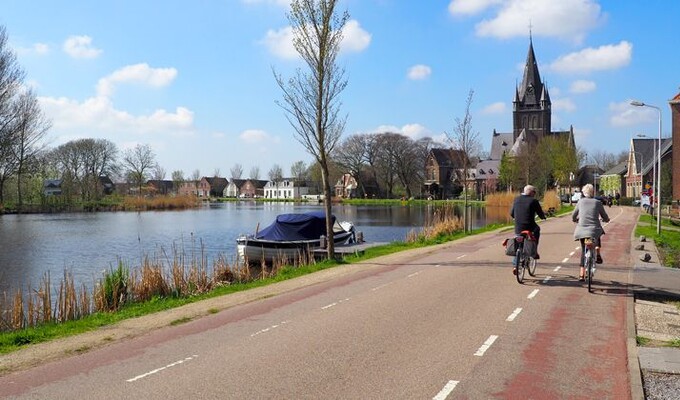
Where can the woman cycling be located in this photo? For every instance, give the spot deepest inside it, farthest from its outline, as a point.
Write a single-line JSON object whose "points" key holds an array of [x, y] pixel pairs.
{"points": [[587, 214]]}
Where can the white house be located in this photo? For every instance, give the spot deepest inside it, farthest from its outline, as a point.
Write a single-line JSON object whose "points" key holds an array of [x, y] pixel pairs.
{"points": [[287, 188]]}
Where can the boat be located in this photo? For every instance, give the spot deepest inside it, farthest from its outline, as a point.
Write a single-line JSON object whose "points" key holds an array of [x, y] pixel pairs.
{"points": [[292, 237]]}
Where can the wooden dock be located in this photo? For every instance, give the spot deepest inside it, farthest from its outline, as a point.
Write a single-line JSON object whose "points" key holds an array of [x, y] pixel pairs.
{"points": [[344, 250]]}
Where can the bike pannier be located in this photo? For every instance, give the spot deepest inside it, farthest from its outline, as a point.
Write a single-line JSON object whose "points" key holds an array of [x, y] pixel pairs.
{"points": [[510, 247], [530, 248]]}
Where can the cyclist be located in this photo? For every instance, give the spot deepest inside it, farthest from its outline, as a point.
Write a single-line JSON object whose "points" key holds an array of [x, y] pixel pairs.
{"points": [[587, 214], [524, 211]]}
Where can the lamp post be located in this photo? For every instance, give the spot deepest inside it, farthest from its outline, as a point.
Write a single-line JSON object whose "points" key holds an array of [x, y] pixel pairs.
{"points": [[658, 177]]}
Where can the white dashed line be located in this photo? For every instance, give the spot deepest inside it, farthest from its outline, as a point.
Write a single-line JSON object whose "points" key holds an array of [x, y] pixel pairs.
{"points": [[577, 247], [547, 278], [532, 294], [557, 268], [486, 345], [438, 265], [565, 260], [444, 393], [161, 368], [268, 329], [572, 253], [514, 315], [379, 287], [414, 274], [459, 257], [334, 304]]}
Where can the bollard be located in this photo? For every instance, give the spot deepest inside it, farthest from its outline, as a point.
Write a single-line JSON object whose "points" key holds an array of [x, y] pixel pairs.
{"points": [[360, 237], [322, 241]]}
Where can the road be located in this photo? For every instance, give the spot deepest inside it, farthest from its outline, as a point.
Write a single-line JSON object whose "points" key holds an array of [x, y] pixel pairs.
{"points": [[446, 322]]}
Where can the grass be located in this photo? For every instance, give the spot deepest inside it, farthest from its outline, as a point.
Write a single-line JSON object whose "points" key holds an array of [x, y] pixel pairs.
{"points": [[642, 341], [668, 243]]}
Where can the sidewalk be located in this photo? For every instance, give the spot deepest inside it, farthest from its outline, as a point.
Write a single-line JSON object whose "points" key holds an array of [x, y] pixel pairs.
{"points": [[651, 283]]}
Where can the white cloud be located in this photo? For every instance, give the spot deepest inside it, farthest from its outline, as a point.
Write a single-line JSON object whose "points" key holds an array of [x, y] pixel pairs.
{"points": [[564, 104], [595, 59], [138, 73], [413, 131], [97, 116], [470, 7], [624, 114], [494, 108], [80, 47], [37, 48], [582, 86], [566, 19], [254, 136], [419, 72], [280, 43]]}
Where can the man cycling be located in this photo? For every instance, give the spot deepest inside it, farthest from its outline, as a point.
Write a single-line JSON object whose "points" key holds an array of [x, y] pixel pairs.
{"points": [[524, 211]]}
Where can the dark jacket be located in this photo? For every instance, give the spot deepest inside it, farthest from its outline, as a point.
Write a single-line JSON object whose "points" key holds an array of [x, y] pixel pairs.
{"points": [[524, 211]]}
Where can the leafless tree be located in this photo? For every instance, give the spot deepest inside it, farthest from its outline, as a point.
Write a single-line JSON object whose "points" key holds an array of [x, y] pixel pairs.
{"points": [[216, 172], [255, 173], [236, 171], [139, 162], [464, 138], [275, 173], [299, 171], [158, 173], [177, 178], [311, 99], [351, 157]]}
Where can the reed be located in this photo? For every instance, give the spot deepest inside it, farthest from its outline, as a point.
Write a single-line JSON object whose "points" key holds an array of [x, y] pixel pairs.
{"points": [[500, 199], [160, 203], [551, 200], [443, 222]]}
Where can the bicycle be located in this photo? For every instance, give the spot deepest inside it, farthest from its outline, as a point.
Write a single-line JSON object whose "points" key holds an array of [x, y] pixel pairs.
{"points": [[523, 262], [589, 261]]}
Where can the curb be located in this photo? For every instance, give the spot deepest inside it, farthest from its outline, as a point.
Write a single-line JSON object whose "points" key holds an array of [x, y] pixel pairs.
{"points": [[634, 371]]}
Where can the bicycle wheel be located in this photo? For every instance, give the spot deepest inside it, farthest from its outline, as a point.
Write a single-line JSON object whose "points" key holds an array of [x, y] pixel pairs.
{"points": [[531, 265], [591, 262], [520, 265]]}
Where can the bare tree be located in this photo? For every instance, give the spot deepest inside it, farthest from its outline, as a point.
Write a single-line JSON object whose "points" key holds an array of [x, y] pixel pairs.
{"points": [[255, 173], [158, 173], [465, 139], [236, 171], [139, 162], [311, 99], [177, 178], [216, 172], [275, 173], [351, 157], [299, 171]]}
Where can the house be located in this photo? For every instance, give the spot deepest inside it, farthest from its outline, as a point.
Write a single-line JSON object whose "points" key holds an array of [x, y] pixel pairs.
{"points": [[642, 164], [346, 186], [486, 177], [287, 188], [613, 180], [106, 184], [233, 189], [188, 188], [52, 187], [162, 187], [443, 170], [253, 188]]}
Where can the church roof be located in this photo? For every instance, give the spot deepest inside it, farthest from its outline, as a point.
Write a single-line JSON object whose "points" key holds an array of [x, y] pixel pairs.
{"points": [[531, 85], [500, 143]]}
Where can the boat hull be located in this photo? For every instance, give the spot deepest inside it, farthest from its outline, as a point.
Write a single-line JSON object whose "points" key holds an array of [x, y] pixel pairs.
{"points": [[254, 250]]}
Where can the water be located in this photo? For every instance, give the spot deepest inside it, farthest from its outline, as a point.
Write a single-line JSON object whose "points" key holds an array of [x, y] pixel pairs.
{"points": [[86, 244]]}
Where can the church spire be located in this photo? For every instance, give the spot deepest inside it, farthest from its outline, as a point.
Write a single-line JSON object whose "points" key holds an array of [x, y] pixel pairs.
{"points": [[531, 86]]}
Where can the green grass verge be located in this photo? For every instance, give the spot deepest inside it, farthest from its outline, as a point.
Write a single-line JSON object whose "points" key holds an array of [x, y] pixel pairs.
{"points": [[667, 243], [12, 341]]}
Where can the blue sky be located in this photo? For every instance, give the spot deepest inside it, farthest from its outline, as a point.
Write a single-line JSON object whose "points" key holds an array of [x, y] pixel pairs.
{"points": [[194, 79]]}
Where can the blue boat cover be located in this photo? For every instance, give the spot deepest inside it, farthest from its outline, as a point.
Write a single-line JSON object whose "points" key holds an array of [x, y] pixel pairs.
{"points": [[288, 227]]}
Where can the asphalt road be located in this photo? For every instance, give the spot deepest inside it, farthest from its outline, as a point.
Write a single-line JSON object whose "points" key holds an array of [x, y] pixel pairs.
{"points": [[448, 322]]}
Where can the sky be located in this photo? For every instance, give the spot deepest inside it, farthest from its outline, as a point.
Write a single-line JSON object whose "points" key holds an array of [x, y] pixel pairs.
{"points": [[195, 80]]}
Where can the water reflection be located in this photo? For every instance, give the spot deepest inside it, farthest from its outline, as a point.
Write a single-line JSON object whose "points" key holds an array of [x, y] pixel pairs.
{"points": [[86, 244]]}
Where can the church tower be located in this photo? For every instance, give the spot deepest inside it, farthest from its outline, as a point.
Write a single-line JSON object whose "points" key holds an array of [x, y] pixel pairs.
{"points": [[531, 108]]}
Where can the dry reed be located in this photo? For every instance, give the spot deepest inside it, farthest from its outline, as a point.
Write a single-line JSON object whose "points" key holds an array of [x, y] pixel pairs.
{"points": [[500, 199]]}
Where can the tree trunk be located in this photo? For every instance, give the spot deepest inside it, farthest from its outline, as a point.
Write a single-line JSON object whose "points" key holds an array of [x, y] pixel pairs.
{"points": [[330, 242]]}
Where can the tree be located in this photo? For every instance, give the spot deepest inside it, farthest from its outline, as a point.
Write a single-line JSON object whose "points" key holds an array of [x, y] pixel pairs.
{"points": [[255, 173], [177, 179], [466, 140], [299, 171], [236, 171], [275, 173], [138, 162], [158, 173], [351, 157], [311, 99], [11, 80]]}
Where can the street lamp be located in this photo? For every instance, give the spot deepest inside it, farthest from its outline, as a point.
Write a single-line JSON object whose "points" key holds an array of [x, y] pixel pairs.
{"points": [[658, 183]]}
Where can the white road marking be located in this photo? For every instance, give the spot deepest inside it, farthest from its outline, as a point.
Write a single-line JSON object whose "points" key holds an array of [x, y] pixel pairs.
{"points": [[577, 247], [161, 368], [438, 265], [514, 315], [459, 257], [486, 345], [557, 268], [444, 393], [547, 278], [532, 294], [334, 304], [268, 329], [565, 260], [414, 274], [572, 253], [380, 286]]}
